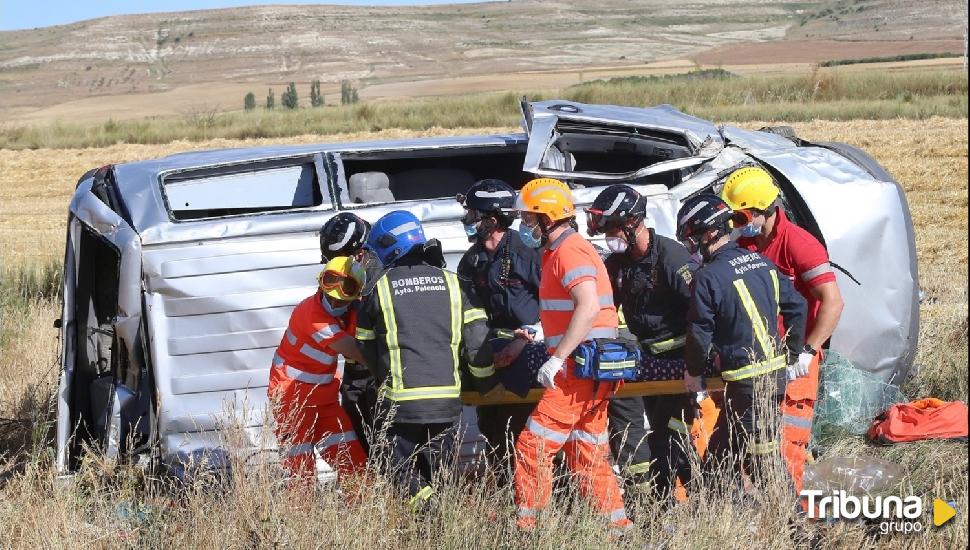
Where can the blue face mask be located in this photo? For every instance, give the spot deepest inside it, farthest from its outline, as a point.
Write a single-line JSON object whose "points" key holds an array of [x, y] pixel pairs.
{"points": [[335, 311], [471, 230], [528, 236], [751, 230]]}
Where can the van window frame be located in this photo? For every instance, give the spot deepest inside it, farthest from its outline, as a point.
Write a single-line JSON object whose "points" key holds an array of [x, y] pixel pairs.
{"points": [[341, 186], [324, 185]]}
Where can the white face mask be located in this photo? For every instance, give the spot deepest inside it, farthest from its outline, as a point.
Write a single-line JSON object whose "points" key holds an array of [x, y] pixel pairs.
{"points": [[616, 244]]}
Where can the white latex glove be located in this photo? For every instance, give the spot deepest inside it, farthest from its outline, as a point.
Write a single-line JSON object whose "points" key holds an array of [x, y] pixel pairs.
{"points": [[799, 368], [549, 371], [532, 333], [694, 384]]}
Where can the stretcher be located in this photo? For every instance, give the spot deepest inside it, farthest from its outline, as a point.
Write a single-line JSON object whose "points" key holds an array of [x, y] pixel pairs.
{"points": [[628, 389], [655, 377]]}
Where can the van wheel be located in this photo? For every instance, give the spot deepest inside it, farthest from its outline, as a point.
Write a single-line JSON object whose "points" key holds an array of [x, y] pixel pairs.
{"points": [[783, 131]]}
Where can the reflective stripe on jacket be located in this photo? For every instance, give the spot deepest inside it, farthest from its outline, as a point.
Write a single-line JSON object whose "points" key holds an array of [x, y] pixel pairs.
{"points": [[738, 296], [568, 261], [799, 256], [654, 292], [414, 329], [304, 366], [506, 282]]}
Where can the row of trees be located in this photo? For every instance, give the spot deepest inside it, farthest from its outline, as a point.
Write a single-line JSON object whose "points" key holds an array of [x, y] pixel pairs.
{"points": [[291, 100]]}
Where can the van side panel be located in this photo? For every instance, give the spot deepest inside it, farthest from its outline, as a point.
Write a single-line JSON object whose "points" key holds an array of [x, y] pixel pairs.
{"points": [[216, 311]]}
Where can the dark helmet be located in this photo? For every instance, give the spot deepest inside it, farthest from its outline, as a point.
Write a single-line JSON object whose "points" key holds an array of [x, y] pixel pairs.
{"points": [[615, 206], [489, 197], [700, 214], [343, 235]]}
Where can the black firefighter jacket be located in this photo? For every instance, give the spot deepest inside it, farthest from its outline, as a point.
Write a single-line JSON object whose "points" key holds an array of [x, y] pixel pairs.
{"points": [[654, 292], [417, 328]]}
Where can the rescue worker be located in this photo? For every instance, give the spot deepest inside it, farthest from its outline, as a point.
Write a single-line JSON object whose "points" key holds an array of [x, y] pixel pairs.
{"points": [[303, 382], [413, 329], [737, 297], [345, 235], [651, 276], [504, 275], [576, 304], [798, 255]]}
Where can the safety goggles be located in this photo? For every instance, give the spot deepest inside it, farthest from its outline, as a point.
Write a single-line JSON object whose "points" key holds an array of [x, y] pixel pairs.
{"points": [[530, 219], [743, 217], [594, 218], [595, 224], [348, 286]]}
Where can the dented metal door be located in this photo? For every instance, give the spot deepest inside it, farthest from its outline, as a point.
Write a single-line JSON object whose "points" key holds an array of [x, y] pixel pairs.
{"points": [[690, 141]]}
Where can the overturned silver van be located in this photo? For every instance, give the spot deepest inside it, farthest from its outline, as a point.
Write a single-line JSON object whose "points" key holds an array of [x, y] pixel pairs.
{"points": [[180, 273]]}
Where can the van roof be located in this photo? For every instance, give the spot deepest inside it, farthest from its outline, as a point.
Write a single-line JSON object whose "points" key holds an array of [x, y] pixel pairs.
{"points": [[138, 182]]}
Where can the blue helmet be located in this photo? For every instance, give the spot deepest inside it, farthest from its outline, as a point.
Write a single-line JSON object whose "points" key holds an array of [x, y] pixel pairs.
{"points": [[394, 235]]}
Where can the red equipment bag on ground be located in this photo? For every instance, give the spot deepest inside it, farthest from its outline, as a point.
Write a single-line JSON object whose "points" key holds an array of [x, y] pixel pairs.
{"points": [[921, 419]]}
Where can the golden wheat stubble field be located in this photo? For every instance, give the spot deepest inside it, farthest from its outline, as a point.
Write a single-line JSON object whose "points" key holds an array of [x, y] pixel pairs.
{"points": [[928, 157]]}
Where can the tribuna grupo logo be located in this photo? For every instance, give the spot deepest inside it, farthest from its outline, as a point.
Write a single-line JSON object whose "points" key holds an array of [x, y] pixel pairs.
{"points": [[894, 513]]}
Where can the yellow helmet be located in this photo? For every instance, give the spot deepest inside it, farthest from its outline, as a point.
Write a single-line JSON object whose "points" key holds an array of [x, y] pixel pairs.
{"points": [[342, 278], [749, 187], [547, 196]]}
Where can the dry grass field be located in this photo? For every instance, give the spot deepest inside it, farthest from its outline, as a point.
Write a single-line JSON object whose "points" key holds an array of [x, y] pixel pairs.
{"points": [[109, 507], [924, 89]]}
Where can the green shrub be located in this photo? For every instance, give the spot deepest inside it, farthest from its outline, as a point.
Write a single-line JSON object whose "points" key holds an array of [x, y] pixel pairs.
{"points": [[888, 58], [289, 99]]}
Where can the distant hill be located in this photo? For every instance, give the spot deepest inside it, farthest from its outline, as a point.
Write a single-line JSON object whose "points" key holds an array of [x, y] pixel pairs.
{"points": [[137, 65]]}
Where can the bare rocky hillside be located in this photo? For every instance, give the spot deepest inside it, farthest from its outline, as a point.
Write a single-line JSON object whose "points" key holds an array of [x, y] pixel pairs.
{"points": [[217, 55]]}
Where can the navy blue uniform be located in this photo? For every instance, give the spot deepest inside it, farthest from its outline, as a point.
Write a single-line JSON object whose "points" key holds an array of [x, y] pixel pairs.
{"points": [[653, 292], [737, 298], [506, 281], [507, 284]]}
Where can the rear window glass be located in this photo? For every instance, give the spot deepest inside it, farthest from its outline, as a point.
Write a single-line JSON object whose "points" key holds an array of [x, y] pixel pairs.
{"points": [[241, 190]]}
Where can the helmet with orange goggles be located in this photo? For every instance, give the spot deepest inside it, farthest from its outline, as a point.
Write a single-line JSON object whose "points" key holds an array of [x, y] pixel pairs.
{"points": [[342, 279]]}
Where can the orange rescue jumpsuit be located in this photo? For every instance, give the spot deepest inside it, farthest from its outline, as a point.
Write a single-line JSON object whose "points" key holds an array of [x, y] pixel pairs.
{"points": [[571, 416], [304, 390]]}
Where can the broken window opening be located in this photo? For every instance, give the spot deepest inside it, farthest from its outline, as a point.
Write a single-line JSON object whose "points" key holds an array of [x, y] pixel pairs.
{"points": [[381, 177]]}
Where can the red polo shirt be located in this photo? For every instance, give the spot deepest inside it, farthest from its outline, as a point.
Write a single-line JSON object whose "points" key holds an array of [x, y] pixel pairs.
{"points": [[800, 256]]}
